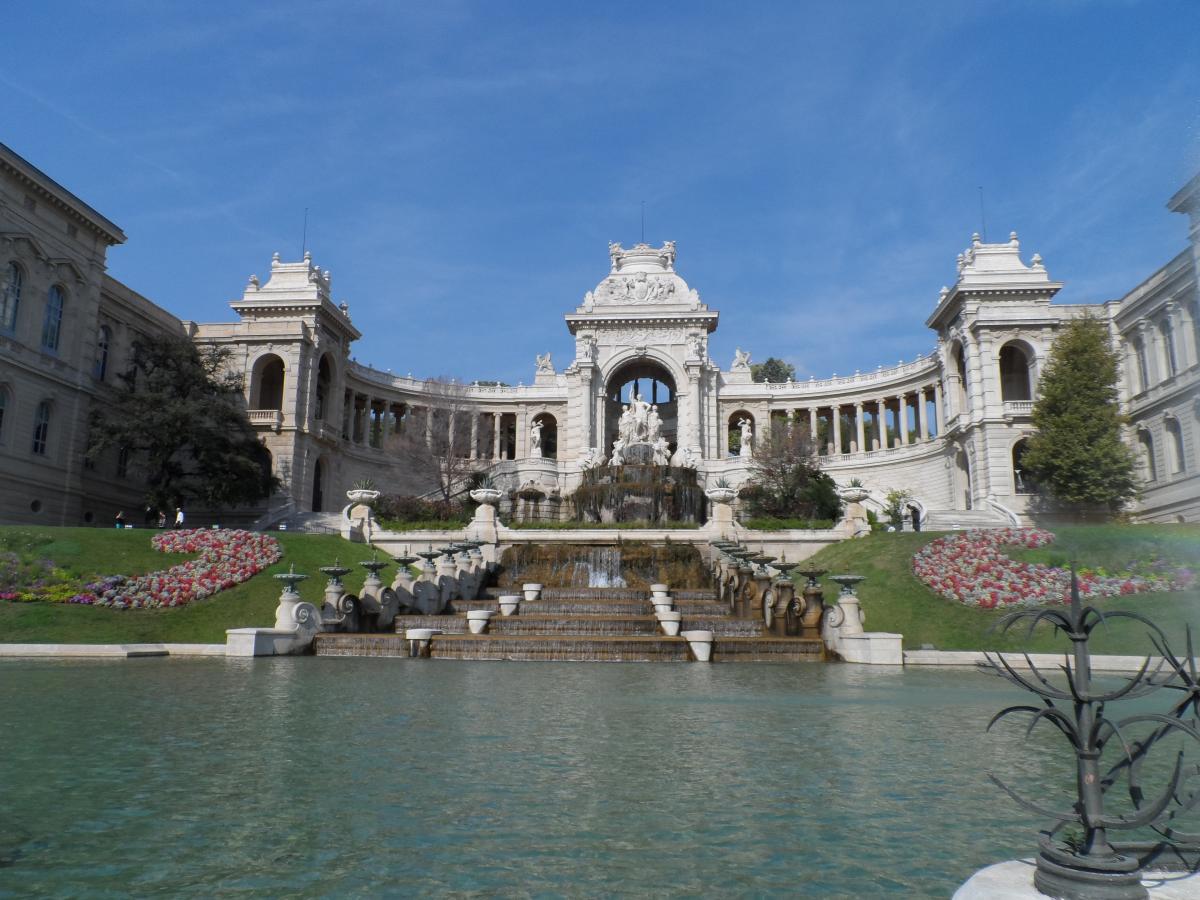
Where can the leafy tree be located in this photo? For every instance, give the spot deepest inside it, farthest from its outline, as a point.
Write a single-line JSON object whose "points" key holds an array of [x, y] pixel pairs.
{"points": [[179, 415], [785, 481], [773, 370], [1076, 453]]}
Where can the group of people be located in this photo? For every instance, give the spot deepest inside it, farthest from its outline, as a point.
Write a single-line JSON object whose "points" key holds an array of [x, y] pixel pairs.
{"points": [[150, 515]]}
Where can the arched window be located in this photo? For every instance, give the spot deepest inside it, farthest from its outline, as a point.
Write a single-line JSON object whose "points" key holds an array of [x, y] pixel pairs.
{"points": [[10, 298], [960, 368], [324, 378], [1014, 374], [1167, 333], [1143, 369], [103, 342], [52, 325], [41, 428], [1174, 433], [1146, 450], [266, 389]]}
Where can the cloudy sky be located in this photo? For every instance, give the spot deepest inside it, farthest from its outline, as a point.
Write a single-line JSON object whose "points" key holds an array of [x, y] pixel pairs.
{"points": [[465, 164]]}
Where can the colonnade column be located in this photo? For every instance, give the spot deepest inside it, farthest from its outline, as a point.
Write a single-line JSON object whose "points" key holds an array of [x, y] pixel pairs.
{"points": [[881, 441], [496, 435], [860, 428], [902, 419], [812, 425], [939, 411], [836, 418], [586, 416], [474, 435], [428, 426], [923, 411]]}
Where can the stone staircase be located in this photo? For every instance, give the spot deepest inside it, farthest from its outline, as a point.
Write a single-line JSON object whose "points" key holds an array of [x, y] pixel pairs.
{"points": [[581, 625]]}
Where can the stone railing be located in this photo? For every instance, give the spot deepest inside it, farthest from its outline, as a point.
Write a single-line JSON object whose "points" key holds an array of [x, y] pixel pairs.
{"points": [[924, 364], [1018, 407], [424, 387], [271, 418]]}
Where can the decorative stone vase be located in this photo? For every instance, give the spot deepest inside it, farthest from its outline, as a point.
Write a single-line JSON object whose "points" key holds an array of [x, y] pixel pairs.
{"points": [[663, 607], [509, 604], [854, 494], [486, 496], [659, 591], [419, 640], [700, 643], [361, 496], [531, 591], [670, 622], [720, 494], [477, 620]]}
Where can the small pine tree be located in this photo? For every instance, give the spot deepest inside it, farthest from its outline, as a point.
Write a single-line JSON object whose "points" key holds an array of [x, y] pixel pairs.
{"points": [[1076, 453]]}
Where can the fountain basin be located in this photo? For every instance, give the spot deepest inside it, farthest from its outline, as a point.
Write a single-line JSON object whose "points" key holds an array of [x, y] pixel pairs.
{"points": [[419, 639], [660, 590], [700, 643], [531, 591], [663, 607]]}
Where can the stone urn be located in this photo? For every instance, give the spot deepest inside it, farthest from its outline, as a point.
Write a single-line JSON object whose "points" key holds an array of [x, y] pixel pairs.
{"points": [[700, 643], [486, 496], [509, 604], [720, 494], [670, 622], [362, 496], [854, 494], [477, 620]]}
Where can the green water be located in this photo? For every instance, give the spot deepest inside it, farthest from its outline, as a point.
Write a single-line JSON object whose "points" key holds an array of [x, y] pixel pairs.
{"points": [[360, 777]]}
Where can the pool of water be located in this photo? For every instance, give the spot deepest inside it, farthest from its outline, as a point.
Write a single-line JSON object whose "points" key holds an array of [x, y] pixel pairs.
{"points": [[361, 777]]}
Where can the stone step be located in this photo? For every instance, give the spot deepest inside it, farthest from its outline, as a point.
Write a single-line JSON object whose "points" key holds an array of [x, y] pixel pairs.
{"points": [[574, 648], [721, 626]]}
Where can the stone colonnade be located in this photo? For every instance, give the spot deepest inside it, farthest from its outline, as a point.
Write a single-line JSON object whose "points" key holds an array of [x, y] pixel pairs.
{"points": [[909, 410], [369, 421]]}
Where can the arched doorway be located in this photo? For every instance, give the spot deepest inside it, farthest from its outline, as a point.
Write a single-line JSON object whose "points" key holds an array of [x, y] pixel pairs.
{"points": [[266, 384], [962, 478], [654, 385], [318, 488], [1023, 482]]}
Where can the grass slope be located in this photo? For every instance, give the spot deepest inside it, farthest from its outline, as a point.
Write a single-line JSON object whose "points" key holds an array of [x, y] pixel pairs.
{"points": [[90, 552], [896, 601]]}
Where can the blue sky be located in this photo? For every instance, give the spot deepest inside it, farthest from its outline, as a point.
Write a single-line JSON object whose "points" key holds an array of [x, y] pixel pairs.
{"points": [[465, 164]]}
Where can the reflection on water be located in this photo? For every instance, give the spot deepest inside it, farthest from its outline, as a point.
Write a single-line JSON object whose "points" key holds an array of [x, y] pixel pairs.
{"points": [[359, 776]]}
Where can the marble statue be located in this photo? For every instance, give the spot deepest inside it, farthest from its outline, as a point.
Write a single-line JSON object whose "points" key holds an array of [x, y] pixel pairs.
{"points": [[741, 360], [653, 424], [544, 366], [591, 458], [535, 440], [618, 454], [662, 452], [747, 430]]}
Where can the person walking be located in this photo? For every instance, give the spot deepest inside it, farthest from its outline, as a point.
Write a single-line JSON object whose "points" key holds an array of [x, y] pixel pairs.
{"points": [[179, 517], [119, 519]]}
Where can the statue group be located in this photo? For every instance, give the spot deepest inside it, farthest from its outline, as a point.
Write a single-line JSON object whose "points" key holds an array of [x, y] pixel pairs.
{"points": [[640, 424]]}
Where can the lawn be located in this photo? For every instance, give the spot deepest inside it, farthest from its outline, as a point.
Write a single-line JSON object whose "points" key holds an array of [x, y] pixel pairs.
{"points": [[92, 552], [896, 601]]}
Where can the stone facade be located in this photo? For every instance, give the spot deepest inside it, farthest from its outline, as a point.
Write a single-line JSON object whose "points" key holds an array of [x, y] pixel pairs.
{"points": [[947, 426]]}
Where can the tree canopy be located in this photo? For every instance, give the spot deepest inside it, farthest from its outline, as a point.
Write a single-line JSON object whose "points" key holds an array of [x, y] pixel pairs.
{"points": [[180, 416], [773, 370], [785, 480], [1076, 453]]}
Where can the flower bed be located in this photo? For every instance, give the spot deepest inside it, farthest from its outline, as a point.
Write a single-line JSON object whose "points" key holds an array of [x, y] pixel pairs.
{"points": [[972, 568], [226, 557]]}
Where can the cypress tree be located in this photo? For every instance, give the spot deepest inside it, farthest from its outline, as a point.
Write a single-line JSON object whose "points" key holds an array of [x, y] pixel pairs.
{"points": [[1076, 453]]}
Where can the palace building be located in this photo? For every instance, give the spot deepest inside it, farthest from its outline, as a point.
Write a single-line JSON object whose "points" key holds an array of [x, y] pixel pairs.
{"points": [[949, 426]]}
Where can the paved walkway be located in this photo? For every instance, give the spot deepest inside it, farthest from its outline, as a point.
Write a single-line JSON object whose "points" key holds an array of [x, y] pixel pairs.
{"points": [[112, 651]]}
